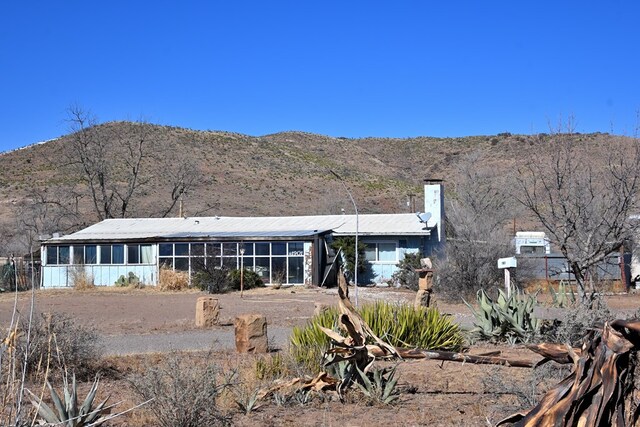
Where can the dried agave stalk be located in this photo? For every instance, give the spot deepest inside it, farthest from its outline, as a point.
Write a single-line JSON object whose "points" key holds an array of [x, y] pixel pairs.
{"points": [[600, 390], [361, 355]]}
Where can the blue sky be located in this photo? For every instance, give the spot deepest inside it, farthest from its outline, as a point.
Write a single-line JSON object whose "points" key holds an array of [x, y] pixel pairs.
{"points": [[341, 68]]}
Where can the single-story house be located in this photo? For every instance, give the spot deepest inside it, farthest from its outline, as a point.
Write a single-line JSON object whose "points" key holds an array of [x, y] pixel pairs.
{"points": [[291, 250]]}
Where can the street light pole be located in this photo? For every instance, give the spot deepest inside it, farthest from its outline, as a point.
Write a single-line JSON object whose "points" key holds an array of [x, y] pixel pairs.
{"points": [[355, 207]]}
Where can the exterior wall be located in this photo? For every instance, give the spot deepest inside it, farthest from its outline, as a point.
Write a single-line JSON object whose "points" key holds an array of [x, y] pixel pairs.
{"points": [[382, 261], [283, 262], [61, 276]]}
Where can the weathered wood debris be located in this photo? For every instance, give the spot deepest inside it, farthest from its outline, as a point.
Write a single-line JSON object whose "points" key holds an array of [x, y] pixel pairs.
{"points": [[600, 391]]}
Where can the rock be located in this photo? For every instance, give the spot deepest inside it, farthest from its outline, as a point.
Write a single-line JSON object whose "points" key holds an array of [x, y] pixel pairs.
{"points": [[425, 279], [251, 333], [423, 298], [207, 312]]}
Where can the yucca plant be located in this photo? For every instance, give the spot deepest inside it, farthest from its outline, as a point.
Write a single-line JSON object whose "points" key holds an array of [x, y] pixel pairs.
{"points": [[68, 413], [508, 318], [400, 325]]}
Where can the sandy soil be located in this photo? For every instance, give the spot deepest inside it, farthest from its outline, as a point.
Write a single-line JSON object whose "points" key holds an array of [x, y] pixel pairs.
{"points": [[435, 393]]}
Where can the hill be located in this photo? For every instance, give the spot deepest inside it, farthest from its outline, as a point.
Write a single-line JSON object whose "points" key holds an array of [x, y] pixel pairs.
{"points": [[280, 174]]}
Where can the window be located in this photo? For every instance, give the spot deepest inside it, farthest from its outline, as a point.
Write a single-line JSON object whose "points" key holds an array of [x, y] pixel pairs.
{"points": [[263, 249], [57, 255], [146, 254], [381, 252], [182, 249], [91, 254], [78, 255], [105, 254], [278, 248], [133, 254], [117, 254], [166, 249], [139, 254]]}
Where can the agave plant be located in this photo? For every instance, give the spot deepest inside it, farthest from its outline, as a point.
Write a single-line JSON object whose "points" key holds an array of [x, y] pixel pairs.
{"points": [[380, 385], [565, 297], [68, 413], [509, 318]]}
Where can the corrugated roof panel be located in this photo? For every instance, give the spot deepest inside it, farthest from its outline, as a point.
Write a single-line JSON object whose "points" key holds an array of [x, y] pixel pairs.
{"points": [[288, 226]]}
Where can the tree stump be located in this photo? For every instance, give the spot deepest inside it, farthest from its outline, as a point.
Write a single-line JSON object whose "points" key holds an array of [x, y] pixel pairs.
{"points": [[251, 333], [207, 312]]}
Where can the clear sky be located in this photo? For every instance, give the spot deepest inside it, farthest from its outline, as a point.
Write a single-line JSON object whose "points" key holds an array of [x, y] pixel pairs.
{"points": [[341, 68]]}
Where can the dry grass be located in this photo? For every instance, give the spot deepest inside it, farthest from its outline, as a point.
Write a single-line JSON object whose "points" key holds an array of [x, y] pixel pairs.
{"points": [[81, 280], [171, 280]]}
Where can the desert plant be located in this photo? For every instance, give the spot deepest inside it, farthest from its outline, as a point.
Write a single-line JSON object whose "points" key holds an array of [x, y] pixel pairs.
{"points": [[251, 280], [399, 325], [212, 280], [129, 280], [58, 338], [246, 400], [527, 389], [68, 413], [173, 280], [565, 297], [182, 392], [576, 321], [379, 386], [508, 318], [406, 274], [80, 279], [7, 277]]}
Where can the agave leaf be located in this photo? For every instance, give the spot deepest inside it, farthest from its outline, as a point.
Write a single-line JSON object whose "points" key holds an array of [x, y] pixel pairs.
{"points": [[72, 403], [62, 413], [44, 410], [85, 409]]}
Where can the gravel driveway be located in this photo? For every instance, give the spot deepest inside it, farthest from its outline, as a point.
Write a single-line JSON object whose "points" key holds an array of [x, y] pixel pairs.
{"points": [[218, 340]]}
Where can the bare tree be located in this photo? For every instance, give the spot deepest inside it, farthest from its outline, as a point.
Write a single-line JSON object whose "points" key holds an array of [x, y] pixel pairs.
{"points": [[583, 193], [478, 210], [110, 160], [183, 176]]}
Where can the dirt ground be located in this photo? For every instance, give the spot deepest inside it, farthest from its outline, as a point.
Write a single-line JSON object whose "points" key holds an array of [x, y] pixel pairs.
{"points": [[434, 393]]}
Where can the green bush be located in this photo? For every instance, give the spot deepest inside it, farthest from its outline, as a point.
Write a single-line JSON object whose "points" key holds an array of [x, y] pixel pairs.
{"points": [[406, 274], [251, 279], [221, 280], [399, 325], [212, 280]]}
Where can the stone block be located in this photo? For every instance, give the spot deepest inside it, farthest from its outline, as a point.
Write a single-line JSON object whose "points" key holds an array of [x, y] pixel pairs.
{"points": [[251, 333], [207, 312]]}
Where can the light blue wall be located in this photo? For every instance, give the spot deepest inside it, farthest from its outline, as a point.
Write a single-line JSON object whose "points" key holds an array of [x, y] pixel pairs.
{"points": [[60, 276], [381, 272]]}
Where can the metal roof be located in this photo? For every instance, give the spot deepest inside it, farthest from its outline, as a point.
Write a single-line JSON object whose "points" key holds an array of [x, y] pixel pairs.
{"points": [[248, 227]]}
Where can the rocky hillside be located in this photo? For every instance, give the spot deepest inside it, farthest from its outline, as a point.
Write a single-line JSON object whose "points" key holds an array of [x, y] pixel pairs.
{"points": [[281, 174]]}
